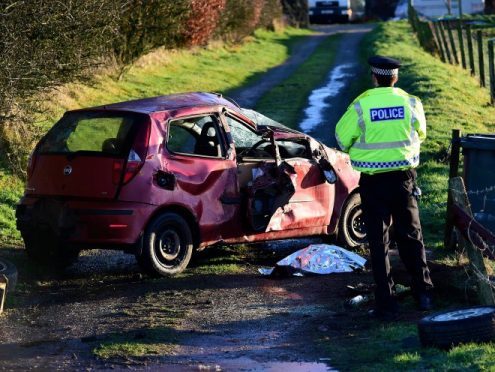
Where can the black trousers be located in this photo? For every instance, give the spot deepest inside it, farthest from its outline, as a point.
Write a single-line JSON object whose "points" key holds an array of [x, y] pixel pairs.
{"points": [[388, 197]]}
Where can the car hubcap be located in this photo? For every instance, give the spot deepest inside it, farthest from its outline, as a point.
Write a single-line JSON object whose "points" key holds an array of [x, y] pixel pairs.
{"points": [[357, 228], [463, 314], [169, 245]]}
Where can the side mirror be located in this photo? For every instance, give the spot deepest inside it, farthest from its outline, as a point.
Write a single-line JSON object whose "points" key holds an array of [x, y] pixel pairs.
{"points": [[328, 171], [330, 176]]}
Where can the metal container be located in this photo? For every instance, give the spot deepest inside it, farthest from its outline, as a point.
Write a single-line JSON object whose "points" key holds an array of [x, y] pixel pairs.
{"points": [[479, 176]]}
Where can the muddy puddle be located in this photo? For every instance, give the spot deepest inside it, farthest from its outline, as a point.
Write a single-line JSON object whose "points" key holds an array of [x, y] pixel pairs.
{"points": [[248, 364], [319, 100]]}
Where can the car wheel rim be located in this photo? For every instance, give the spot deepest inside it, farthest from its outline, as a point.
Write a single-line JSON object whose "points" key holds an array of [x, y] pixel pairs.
{"points": [[356, 226], [168, 246], [462, 314]]}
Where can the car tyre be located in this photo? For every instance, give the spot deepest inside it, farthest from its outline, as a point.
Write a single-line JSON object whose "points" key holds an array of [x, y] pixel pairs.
{"points": [[449, 328], [167, 246], [8, 269], [351, 231]]}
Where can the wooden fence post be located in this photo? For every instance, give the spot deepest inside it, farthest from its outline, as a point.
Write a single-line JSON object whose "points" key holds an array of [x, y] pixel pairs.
{"points": [[459, 197], [438, 40], [453, 172], [452, 43], [491, 63], [3, 290], [444, 40], [461, 43], [470, 49], [479, 37]]}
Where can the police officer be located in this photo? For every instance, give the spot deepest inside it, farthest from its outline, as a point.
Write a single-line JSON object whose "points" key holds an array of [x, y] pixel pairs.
{"points": [[382, 130]]}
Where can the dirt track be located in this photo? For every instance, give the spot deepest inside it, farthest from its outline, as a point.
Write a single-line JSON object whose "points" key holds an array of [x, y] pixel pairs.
{"points": [[204, 320]]}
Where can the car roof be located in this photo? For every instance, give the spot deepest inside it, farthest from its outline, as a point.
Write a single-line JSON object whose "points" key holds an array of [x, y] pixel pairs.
{"points": [[168, 102]]}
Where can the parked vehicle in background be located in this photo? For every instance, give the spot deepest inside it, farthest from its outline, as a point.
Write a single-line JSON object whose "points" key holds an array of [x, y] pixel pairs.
{"points": [[440, 8], [161, 177], [322, 11]]}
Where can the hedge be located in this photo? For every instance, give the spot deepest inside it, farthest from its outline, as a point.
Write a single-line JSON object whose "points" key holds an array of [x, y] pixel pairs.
{"points": [[46, 43]]}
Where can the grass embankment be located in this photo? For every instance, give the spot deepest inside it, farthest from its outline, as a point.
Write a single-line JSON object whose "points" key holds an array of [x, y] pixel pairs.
{"points": [[219, 68], [286, 102], [452, 99]]}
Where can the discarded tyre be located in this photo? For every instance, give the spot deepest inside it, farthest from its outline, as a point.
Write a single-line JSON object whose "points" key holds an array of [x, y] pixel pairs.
{"points": [[450, 328], [9, 270]]}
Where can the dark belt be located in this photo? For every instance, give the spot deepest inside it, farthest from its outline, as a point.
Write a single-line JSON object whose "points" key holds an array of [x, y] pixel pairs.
{"points": [[392, 175]]}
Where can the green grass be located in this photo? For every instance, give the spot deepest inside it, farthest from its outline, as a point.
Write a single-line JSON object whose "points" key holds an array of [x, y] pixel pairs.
{"points": [[10, 193], [218, 68], [285, 103], [451, 98], [137, 344], [392, 347]]}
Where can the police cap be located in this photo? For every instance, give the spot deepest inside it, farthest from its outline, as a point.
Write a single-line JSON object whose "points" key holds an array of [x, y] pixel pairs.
{"points": [[387, 66]]}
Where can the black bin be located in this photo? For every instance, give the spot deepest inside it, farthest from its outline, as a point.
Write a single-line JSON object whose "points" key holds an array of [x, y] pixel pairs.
{"points": [[479, 176]]}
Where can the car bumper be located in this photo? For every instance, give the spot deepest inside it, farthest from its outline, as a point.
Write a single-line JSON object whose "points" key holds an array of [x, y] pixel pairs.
{"points": [[83, 222], [328, 13]]}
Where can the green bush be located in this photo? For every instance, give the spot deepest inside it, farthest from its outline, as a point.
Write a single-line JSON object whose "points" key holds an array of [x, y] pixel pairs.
{"points": [[44, 46]]}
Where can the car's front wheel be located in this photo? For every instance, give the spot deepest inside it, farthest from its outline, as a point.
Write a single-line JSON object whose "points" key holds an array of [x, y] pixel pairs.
{"points": [[352, 231], [167, 245]]}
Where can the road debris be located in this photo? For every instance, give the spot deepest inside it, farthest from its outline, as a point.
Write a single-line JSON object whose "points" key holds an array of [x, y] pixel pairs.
{"points": [[316, 259], [3, 291], [356, 301]]}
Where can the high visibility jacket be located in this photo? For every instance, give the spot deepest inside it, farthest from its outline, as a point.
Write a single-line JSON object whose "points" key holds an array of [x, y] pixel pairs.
{"points": [[382, 130]]}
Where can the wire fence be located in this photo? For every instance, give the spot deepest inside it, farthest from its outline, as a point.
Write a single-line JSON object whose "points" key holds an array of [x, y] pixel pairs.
{"points": [[467, 42], [473, 238]]}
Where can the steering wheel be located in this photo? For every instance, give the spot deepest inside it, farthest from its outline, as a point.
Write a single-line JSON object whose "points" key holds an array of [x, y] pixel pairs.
{"points": [[253, 150]]}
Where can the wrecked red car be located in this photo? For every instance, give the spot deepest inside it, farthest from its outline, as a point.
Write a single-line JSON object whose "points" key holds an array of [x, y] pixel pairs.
{"points": [[162, 177]]}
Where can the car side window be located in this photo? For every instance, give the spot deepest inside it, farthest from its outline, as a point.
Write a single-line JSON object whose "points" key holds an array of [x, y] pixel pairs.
{"points": [[196, 136], [289, 148]]}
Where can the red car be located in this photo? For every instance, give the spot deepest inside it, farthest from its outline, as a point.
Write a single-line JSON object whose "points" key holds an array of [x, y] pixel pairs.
{"points": [[161, 177]]}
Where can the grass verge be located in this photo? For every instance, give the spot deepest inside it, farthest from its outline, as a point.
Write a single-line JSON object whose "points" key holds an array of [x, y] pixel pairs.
{"points": [[394, 347], [216, 68], [285, 103], [451, 98]]}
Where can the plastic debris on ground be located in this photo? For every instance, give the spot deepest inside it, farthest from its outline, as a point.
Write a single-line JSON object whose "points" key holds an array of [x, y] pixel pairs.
{"points": [[356, 301], [316, 259]]}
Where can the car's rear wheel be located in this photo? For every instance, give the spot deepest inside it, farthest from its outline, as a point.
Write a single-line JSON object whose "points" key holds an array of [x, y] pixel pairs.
{"points": [[167, 245], [43, 246], [352, 231]]}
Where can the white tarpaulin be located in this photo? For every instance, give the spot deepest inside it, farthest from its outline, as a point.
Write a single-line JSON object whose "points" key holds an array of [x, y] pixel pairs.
{"points": [[319, 259]]}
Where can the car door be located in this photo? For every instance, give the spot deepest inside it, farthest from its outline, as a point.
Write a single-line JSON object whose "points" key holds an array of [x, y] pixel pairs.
{"points": [[204, 172], [310, 203], [282, 190]]}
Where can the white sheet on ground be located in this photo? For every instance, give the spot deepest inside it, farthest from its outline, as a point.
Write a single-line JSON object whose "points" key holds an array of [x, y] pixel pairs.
{"points": [[320, 259]]}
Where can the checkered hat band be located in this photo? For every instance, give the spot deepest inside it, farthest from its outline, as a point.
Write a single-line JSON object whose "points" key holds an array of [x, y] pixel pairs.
{"points": [[386, 164], [385, 71]]}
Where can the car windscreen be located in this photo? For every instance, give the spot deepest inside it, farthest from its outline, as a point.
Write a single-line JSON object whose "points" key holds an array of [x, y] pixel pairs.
{"points": [[104, 133], [261, 119]]}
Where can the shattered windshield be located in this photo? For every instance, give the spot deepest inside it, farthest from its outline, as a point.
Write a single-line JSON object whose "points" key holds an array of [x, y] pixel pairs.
{"points": [[261, 119]]}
